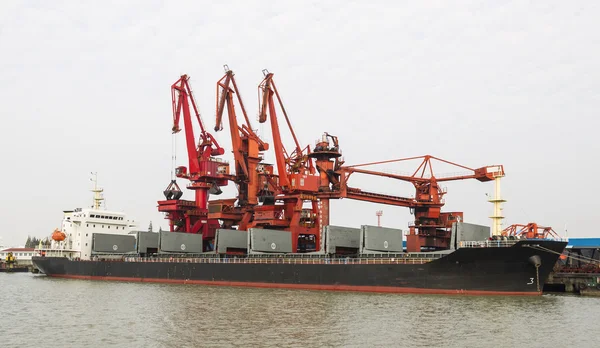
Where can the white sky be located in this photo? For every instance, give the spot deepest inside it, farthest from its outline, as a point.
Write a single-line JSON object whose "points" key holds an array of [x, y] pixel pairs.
{"points": [[84, 86]]}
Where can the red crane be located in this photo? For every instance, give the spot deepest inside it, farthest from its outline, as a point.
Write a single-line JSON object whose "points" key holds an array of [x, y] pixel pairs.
{"points": [[283, 195], [296, 170], [206, 173], [247, 147], [529, 231], [301, 183], [431, 224], [255, 180], [296, 183]]}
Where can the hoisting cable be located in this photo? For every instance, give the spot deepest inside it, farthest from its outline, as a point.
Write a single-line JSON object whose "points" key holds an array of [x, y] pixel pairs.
{"points": [[173, 155]]}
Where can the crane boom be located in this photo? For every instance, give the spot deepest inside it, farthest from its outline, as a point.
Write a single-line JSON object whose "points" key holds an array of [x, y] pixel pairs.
{"points": [[267, 101], [487, 173], [181, 92], [224, 99], [246, 145], [289, 165], [432, 224]]}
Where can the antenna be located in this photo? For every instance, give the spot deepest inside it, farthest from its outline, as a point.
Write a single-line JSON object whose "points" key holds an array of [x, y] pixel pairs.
{"points": [[97, 191], [379, 213]]}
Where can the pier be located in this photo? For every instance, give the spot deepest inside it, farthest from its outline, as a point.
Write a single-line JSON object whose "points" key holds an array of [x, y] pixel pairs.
{"points": [[578, 271]]}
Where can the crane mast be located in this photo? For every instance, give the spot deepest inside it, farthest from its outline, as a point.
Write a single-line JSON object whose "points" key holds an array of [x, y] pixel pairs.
{"points": [[206, 173]]}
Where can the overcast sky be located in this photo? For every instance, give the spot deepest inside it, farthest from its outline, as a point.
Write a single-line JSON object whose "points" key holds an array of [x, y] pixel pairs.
{"points": [[85, 86]]}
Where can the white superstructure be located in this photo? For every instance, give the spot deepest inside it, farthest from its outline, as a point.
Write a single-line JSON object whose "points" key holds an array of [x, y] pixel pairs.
{"points": [[80, 224]]}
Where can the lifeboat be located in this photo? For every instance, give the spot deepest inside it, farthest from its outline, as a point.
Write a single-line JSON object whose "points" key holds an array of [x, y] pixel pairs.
{"points": [[58, 236]]}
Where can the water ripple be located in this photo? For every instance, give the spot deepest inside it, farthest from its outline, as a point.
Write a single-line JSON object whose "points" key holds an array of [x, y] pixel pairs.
{"points": [[42, 311]]}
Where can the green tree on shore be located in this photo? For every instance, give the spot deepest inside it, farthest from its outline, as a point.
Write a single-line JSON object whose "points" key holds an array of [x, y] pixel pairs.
{"points": [[34, 242]]}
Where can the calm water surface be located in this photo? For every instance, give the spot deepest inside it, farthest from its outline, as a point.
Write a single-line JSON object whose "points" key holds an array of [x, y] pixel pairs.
{"points": [[38, 311]]}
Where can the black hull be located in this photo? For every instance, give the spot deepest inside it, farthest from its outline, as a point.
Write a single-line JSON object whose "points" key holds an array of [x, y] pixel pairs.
{"points": [[490, 270]]}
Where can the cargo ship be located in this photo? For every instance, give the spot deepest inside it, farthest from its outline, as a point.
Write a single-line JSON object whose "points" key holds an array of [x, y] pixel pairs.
{"points": [[277, 233], [518, 269], [96, 244]]}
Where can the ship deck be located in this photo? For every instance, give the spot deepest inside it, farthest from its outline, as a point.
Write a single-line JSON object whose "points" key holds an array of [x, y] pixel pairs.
{"points": [[297, 258]]}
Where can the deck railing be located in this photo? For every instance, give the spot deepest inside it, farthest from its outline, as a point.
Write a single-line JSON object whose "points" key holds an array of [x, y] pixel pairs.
{"points": [[487, 244], [283, 260], [497, 243]]}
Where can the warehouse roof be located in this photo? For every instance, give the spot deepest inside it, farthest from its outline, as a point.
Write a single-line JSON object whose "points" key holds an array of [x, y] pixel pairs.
{"points": [[584, 243]]}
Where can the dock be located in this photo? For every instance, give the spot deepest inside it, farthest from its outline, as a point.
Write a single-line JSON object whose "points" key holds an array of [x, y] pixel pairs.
{"points": [[587, 284], [578, 271]]}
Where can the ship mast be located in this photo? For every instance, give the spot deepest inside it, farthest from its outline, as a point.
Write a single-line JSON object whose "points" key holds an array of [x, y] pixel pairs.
{"points": [[98, 198], [497, 202]]}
